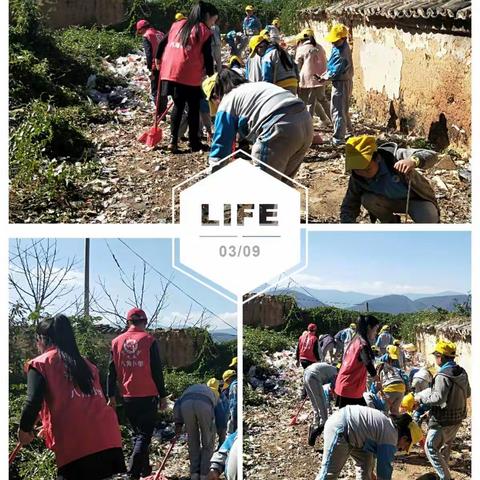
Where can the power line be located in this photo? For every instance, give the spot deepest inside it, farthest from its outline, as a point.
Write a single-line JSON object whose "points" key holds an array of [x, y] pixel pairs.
{"points": [[176, 286]]}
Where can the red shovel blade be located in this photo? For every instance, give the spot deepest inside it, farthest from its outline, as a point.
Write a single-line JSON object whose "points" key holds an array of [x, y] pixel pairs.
{"points": [[152, 137], [294, 421]]}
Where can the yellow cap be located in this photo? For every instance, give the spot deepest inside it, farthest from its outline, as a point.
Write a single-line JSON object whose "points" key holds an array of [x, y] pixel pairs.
{"points": [[408, 402], [254, 42], [265, 33], [304, 34], [444, 347], [392, 351], [208, 84], [385, 328], [234, 362], [276, 22], [353, 326], [359, 153], [228, 374], [410, 347], [179, 16], [396, 342], [337, 32], [214, 384], [416, 433], [249, 8]]}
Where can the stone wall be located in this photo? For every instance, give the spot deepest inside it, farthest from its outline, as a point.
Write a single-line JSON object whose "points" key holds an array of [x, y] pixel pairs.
{"points": [[178, 348], [62, 13], [456, 331], [266, 311], [413, 81]]}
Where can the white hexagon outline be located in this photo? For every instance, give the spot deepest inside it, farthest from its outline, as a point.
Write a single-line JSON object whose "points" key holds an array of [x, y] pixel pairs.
{"points": [[234, 298]]}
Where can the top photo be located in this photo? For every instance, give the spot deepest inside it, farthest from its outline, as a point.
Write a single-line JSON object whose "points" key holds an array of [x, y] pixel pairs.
{"points": [[365, 104]]}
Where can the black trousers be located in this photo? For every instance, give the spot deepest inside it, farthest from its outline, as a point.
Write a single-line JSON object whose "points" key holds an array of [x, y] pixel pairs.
{"points": [[141, 413], [184, 95], [341, 402], [96, 466]]}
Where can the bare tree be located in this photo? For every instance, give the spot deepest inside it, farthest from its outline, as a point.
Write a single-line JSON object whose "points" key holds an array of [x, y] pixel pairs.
{"points": [[137, 284], [40, 279]]}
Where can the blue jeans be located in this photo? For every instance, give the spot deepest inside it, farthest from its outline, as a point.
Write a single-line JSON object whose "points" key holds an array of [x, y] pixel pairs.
{"points": [[438, 447]]}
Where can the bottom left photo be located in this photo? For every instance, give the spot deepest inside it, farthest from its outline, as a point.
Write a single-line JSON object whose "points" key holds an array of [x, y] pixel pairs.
{"points": [[120, 366]]}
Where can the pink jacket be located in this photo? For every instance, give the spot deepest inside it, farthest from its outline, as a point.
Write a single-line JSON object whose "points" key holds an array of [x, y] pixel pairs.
{"points": [[310, 60]]}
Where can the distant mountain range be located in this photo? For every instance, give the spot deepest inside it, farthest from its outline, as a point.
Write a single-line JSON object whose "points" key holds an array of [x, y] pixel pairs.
{"points": [[222, 336], [415, 302]]}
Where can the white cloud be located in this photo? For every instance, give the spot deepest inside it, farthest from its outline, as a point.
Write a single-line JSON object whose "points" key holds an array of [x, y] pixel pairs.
{"points": [[179, 320]]}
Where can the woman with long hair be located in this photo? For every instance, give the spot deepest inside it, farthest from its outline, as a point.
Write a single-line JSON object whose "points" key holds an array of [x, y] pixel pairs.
{"points": [[269, 117], [77, 424], [358, 360], [184, 57]]}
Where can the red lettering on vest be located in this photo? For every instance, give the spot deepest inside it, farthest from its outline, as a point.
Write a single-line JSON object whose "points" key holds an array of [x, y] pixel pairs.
{"points": [[352, 377], [131, 356], [74, 424], [181, 64], [306, 344]]}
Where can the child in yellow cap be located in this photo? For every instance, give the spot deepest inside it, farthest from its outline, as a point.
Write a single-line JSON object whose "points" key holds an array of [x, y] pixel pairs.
{"points": [[340, 73], [447, 400]]}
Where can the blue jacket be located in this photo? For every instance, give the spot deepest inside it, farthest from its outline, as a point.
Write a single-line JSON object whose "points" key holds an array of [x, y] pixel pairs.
{"points": [[232, 402], [222, 412], [251, 25], [340, 63]]}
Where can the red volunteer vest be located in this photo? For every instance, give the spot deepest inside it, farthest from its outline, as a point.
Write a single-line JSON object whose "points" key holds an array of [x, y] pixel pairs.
{"points": [[352, 377], [305, 347], [74, 424], [131, 355], [181, 64], [154, 37]]}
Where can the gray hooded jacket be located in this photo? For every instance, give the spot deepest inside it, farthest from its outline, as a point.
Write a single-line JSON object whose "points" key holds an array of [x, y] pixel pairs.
{"points": [[448, 396]]}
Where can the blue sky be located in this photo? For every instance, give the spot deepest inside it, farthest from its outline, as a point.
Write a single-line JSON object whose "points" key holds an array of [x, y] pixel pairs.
{"points": [[158, 253], [382, 263]]}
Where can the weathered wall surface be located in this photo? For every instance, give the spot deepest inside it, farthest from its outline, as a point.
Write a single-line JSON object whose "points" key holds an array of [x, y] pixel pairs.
{"points": [[458, 332], [62, 13], [178, 348], [266, 311], [409, 80]]}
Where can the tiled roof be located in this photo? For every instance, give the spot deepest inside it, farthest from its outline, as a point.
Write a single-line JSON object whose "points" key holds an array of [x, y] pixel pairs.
{"points": [[453, 9]]}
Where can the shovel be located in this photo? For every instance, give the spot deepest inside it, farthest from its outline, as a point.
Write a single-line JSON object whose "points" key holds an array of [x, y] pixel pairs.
{"points": [[294, 420], [159, 475], [14, 453]]}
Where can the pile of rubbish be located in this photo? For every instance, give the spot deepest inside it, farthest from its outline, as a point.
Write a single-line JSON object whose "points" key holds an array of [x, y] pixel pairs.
{"points": [[275, 449]]}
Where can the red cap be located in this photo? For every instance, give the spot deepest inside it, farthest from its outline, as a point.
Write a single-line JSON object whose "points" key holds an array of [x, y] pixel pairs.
{"points": [[312, 327], [142, 24], [136, 312]]}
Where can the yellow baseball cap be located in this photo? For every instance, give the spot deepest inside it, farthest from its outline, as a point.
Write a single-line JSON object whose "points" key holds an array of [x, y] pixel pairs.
{"points": [[408, 402], [392, 351], [305, 33], [416, 433], [385, 328], [276, 22], [265, 33], [353, 326], [228, 374], [234, 362], [337, 32], [249, 8], [214, 384], [444, 347], [254, 42], [179, 16], [359, 152]]}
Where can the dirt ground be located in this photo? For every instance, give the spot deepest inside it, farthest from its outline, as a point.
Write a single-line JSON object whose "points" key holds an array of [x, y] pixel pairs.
{"points": [[136, 182], [275, 450]]}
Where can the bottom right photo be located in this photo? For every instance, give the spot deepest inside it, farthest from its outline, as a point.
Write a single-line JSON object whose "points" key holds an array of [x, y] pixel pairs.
{"points": [[360, 365]]}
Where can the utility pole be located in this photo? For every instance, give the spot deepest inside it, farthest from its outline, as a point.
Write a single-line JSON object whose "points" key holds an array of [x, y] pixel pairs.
{"points": [[86, 279], [367, 305]]}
